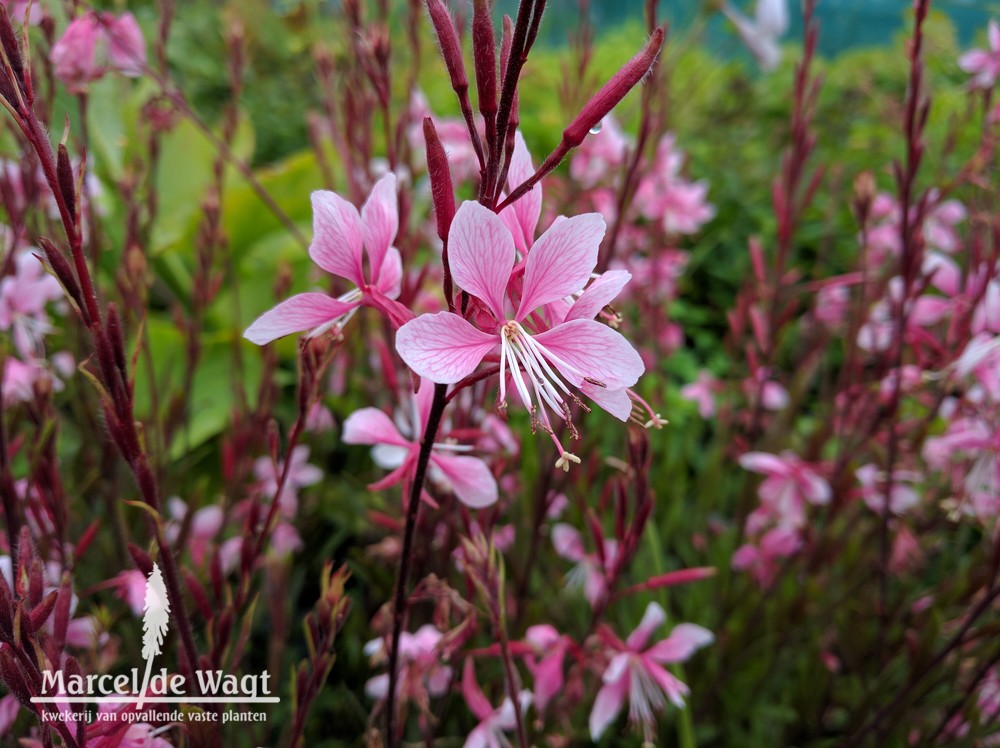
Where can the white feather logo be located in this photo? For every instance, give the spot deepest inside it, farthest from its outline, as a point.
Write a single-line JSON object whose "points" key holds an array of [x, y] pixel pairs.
{"points": [[155, 621]]}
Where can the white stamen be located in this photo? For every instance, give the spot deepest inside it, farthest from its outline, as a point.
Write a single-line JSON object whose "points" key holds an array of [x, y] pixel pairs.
{"points": [[565, 459]]}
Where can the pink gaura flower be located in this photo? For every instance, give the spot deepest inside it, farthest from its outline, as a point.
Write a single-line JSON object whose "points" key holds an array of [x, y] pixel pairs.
{"points": [[205, 525], [590, 572], [546, 662], [342, 238], [902, 497], [74, 55], [664, 196], [489, 733], [421, 671], [126, 45], [636, 672], [23, 298], [763, 560], [300, 475], [789, 485], [702, 391], [396, 446], [576, 352], [984, 64]]}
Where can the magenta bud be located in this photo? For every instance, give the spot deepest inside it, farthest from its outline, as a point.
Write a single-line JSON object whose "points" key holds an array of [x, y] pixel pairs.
{"points": [[614, 90], [41, 612], [198, 594], [484, 54], [442, 192], [143, 561], [451, 50]]}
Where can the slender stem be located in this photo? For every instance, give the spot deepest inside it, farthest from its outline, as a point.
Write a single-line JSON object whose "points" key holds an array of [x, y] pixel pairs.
{"points": [[403, 578]]}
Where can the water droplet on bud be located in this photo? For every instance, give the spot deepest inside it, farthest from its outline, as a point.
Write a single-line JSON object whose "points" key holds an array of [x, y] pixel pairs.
{"points": [[597, 128]]}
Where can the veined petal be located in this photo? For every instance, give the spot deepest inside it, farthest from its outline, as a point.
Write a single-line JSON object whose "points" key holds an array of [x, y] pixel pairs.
{"points": [[470, 479], [615, 402], [371, 426], [388, 279], [598, 295], [561, 261], [380, 222], [764, 463], [654, 617], [443, 347], [684, 641], [481, 254], [586, 348], [675, 689], [528, 208], [607, 706], [336, 245], [302, 312]]}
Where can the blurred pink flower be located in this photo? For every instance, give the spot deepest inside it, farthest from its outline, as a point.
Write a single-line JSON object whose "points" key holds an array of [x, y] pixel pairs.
{"points": [[421, 669], [9, 709], [74, 55], [577, 352], [23, 297], [702, 391], [636, 672], [873, 481], [126, 45], [489, 733], [590, 573], [397, 446], [789, 485], [339, 233], [984, 64], [664, 196], [763, 560], [205, 525], [130, 586], [300, 475], [546, 663], [600, 155]]}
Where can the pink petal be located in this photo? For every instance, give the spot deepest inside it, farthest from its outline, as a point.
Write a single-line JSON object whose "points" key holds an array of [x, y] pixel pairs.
{"points": [[372, 426], [549, 678], [684, 640], [607, 706], [126, 46], [207, 522], [481, 254], [561, 261], [586, 348], [974, 60], [615, 402], [652, 619], [443, 347], [305, 311], [567, 541], [599, 294], [478, 704], [817, 489], [522, 217], [380, 222], [993, 35], [764, 463], [671, 686], [470, 479], [336, 245], [390, 275]]}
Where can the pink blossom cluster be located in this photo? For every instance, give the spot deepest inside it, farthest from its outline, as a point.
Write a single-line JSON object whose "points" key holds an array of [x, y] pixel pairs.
{"points": [[95, 43]]}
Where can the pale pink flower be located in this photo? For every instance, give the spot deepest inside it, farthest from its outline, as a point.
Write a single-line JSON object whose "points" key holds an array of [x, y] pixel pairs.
{"points": [[17, 10], [590, 573], [74, 55], [903, 496], [453, 134], [577, 352], [493, 723], [130, 586], [396, 447], [636, 672], [126, 45], [546, 662], [521, 218], [600, 154], [23, 297], [702, 391], [762, 34], [763, 560], [300, 475], [421, 671], [205, 525], [663, 195], [984, 64], [339, 234], [789, 485]]}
